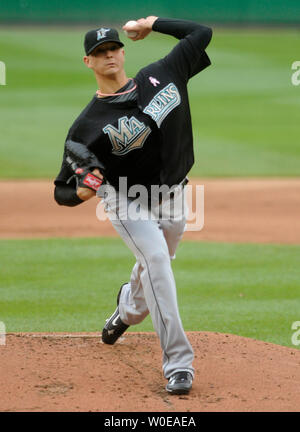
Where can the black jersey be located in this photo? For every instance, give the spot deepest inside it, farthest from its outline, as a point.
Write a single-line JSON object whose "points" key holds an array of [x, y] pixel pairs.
{"points": [[126, 140], [148, 136]]}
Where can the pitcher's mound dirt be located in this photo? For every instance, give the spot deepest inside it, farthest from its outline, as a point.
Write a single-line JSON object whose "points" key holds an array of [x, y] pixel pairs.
{"points": [[75, 372]]}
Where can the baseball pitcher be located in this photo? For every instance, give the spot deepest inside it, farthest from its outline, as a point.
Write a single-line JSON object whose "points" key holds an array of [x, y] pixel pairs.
{"points": [[139, 130]]}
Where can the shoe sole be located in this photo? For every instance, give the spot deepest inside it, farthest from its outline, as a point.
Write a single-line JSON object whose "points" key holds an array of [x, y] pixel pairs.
{"points": [[178, 391], [109, 339]]}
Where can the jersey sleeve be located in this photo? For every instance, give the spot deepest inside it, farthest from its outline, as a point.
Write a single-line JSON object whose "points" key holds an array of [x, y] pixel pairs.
{"points": [[64, 191], [65, 172], [65, 183], [66, 195], [188, 57]]}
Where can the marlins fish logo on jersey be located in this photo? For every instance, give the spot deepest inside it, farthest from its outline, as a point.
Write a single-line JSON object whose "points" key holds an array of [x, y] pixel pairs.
{"points": [[101, 33], [130, 135]]}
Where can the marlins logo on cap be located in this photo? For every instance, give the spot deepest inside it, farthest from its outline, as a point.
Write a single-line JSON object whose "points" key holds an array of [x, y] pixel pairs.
{"points": [[101, 33], [94, 38]]}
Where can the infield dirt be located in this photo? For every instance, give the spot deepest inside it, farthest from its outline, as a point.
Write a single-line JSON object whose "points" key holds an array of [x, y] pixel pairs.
{"points": [[67, 373], [244, 210]]}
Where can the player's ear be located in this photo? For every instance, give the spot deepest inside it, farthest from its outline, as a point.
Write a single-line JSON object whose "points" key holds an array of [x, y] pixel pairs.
{"points": [[86, 60]]}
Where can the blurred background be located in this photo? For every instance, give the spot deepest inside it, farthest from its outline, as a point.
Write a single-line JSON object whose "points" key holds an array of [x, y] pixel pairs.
{"points": [[245, 109]]}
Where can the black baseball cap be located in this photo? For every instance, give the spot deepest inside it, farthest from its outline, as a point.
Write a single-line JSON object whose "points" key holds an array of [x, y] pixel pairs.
{"points": [[94, 38]]}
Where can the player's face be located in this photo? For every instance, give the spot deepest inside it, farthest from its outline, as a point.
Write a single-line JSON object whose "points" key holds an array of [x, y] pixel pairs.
{"points": [[106, 59]]}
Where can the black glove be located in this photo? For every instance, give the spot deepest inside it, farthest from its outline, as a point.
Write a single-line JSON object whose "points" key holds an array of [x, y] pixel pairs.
{"points": [[82, 162], [87, 179]]}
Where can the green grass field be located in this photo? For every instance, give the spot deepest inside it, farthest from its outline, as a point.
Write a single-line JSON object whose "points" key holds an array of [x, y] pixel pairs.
{"points": [[71, 285], [245, 110]]}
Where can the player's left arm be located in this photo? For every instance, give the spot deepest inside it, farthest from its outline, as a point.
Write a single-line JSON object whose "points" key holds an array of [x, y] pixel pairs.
{"points": [[88, 170], [86, 193], [80, 176]]}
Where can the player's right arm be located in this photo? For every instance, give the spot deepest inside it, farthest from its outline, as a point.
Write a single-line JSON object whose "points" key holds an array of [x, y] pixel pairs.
{"points": [[188, 57]]}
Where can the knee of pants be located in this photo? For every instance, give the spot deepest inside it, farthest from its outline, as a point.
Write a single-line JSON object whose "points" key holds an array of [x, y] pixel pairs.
{"points": [[174, 227], [173, 232], [179, 226], [157, 258]]}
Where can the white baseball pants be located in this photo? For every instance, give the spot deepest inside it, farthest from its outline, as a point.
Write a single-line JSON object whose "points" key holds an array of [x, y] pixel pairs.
{"points": [[153, 239]]}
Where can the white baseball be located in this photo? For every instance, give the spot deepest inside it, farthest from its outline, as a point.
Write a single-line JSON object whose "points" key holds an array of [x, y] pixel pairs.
{"points": [[131, 33]]}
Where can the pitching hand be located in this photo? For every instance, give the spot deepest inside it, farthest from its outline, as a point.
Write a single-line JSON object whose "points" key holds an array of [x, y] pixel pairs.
{"points": [[143, 27]]}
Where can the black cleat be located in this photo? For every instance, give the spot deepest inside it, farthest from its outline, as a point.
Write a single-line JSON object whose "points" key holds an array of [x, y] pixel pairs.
{"points": [[180, 383], [114, 327]]}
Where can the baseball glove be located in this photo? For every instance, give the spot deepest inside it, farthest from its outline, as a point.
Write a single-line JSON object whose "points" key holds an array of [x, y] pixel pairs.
{"points": [[82, 162]]}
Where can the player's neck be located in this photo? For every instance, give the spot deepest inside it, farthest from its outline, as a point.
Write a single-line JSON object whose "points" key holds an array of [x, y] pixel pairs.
{"points": [[111, 84]]}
